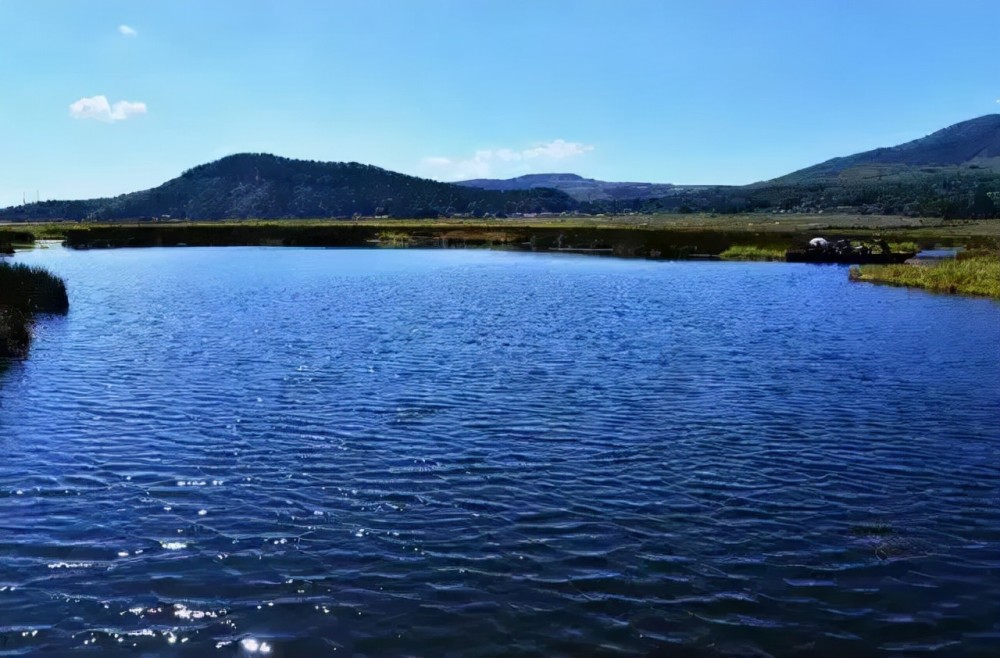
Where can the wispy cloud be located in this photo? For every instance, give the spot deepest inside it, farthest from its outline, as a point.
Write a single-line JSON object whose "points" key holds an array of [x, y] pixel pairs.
{"points": [[127, 31], [503, 162], [99, 109]]}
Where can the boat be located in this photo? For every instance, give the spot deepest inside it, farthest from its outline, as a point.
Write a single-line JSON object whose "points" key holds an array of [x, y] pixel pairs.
{"points": [[843, 252]]}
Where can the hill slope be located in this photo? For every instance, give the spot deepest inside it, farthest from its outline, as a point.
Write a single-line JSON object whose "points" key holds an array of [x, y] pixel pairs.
{"points": [[975, 142], [951, 173], [268, 187]]}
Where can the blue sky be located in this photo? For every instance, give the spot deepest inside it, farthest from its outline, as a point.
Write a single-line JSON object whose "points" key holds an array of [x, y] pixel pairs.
{"points": [[705, 91]]}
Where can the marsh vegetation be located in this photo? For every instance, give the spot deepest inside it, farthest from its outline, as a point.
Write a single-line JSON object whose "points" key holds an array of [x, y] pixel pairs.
{"points": [[976, 272], [750, 252], [25, 291], [760, 237]]}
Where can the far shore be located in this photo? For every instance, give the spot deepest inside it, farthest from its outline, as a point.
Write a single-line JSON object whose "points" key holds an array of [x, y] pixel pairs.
{"points": [[642, 236]]}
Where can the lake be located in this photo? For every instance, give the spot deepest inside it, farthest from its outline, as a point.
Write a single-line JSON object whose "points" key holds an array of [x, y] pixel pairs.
{"points": [[304, 452]]}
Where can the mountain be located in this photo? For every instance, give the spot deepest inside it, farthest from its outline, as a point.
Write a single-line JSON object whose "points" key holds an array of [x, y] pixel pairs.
{"points": [[951, 173], [269, 187], [578, 187], [954, 172], [972, 143]]}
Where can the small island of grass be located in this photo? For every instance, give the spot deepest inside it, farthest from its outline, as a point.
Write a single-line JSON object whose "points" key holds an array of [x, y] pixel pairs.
{"points": [[752, 252], [972, 273], [24, 292]]}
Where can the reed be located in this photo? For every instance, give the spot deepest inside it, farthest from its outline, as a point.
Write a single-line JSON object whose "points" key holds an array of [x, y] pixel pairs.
{"points": [[32, 289], [25, 291], [15, 333]]}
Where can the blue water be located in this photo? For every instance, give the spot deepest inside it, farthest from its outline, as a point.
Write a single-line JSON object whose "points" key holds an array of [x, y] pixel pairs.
{"points": [[299, 452]]}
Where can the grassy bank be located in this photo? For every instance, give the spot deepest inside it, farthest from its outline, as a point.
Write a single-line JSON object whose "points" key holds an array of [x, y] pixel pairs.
{"points": [[745, 252], [977, 273], [25, 291]]}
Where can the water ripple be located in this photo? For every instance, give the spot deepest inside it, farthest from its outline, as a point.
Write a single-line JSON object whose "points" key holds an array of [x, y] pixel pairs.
{"points": [[325, 452]]}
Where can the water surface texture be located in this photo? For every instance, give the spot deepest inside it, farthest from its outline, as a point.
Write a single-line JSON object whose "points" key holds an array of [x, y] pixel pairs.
{"points": [[294, 452]]}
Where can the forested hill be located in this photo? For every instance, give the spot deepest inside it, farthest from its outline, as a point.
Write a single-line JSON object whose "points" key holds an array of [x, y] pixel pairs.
{"points": [[270, 187]]}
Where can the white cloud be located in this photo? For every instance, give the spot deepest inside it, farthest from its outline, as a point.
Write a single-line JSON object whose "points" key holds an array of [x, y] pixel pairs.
{"points": [[557, 149], [127, 31], [98, 108], [503, 162], [437, 161]]}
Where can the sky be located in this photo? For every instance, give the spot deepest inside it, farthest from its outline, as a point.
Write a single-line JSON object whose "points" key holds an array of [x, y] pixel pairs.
{"points": [[105, 97]]}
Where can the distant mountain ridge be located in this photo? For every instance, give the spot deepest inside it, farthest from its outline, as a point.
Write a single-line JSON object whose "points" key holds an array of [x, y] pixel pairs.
{"points": [[954, 172], [578, 187], [951, 172]]}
